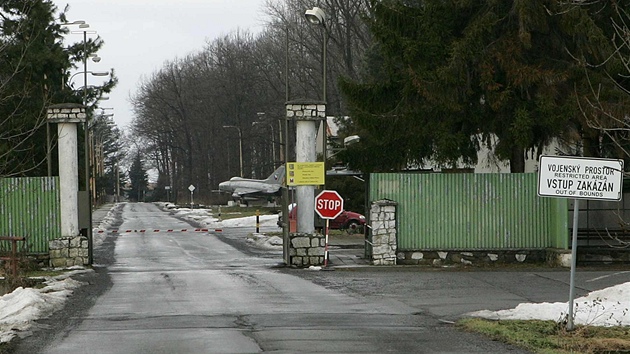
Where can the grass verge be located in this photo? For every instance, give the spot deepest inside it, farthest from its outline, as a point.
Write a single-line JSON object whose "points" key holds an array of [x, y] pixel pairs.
{"points": [[549, 337]]}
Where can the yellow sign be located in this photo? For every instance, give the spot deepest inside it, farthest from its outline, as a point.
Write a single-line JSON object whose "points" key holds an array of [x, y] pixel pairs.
{"points": [[305, 174]]}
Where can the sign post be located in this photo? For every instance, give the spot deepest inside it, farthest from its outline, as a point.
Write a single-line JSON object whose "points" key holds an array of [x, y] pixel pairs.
{"points": [[328, 205], [191, 188], [579, 178], [168, 195]]}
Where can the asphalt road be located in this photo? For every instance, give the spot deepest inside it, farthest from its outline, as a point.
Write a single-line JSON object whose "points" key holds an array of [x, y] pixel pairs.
{"points": [[213, 293]]}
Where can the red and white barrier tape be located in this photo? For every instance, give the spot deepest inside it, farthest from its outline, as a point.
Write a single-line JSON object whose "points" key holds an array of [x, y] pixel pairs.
{"points": [[147, 231]]}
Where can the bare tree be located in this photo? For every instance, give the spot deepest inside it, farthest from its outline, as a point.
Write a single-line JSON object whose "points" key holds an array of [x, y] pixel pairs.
{"points": [[604, 108], [348, 38], [183, 109]]}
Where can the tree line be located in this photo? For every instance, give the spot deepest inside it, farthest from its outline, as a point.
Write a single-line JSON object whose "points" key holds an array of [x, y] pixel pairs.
{"points": [[420, 81], [195, 112]]}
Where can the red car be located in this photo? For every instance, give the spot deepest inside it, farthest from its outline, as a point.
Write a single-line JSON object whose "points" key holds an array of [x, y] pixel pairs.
{"points": [[347, 220]]}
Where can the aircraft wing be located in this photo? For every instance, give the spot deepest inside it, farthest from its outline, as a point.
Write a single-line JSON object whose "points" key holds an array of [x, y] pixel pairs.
{"points": [[243, 191]]}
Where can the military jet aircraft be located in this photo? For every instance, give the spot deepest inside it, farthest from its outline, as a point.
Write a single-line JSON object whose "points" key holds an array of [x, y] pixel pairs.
{"points": [[251, 189]]}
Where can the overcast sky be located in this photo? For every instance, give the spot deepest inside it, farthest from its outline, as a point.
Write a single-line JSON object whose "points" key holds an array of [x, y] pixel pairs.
{"points": [[141, 35]]}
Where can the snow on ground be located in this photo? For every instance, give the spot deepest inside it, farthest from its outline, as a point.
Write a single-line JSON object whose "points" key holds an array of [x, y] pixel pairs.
{"points": [[20, 309], [207, 219], [98, 233], [606, 307]]}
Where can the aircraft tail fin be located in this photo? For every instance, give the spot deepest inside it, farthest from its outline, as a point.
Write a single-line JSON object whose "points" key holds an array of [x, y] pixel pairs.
{"points": [[277, 176]]}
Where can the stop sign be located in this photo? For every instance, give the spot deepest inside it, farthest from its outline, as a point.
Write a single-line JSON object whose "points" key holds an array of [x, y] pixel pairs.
{"points": [[328, 204]]}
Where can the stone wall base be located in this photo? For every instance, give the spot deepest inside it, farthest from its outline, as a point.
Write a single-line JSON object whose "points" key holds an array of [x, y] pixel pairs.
{"points": [[602, 256], [551, 257], [306, 250], [68, 251]]}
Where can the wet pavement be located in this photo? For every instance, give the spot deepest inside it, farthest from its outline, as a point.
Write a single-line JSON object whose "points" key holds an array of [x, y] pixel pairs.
{"points": [[360, 305], [192, 292], [346, 250]]}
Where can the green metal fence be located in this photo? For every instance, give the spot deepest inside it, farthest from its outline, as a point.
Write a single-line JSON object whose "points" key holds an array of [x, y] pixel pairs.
{"points": [[472, 211], [30, 207]]}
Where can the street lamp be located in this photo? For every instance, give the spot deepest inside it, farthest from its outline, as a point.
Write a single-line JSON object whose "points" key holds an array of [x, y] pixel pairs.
{"points": [[83, 29], [93, 73], [240, 145], [78, 22], [317, 16], [273, 145]]}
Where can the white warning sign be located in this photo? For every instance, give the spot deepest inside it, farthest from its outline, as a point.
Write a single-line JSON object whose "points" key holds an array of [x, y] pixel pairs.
{"points": [[580, 178]]}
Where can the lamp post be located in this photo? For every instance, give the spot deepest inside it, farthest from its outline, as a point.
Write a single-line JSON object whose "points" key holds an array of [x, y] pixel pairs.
{"points": [[87, 162], [96, 155], [83, 29], [307, 114], [317, 16], [273, 145], [240, 145]]}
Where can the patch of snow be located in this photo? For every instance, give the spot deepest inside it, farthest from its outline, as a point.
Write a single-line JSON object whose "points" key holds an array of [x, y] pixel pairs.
{"points": [[606, 307], [265, 242], [21, 308]]}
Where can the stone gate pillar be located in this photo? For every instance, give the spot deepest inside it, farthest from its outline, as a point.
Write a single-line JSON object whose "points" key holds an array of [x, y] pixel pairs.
{"points": [[383, 230]]}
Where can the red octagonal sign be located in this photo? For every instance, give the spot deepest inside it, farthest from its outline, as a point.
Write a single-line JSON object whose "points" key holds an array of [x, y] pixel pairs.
{"points": [[328, 204]]}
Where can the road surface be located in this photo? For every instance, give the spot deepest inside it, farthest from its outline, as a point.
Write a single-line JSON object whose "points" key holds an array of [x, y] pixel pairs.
{"points": [[191, 292]]}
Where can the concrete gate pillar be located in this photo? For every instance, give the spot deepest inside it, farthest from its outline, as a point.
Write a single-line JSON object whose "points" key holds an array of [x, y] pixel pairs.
{"points": [[67, 116], [307, 115]]}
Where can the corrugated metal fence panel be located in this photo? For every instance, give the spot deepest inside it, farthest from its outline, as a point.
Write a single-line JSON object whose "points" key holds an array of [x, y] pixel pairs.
{"points": [[471, 211], [29, 207]]}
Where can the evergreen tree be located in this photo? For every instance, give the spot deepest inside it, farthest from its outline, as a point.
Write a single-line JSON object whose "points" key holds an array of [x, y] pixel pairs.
{"points": [[34, 70], [446, 77], [523, 64], [138, 178], [399, 120], [32, 62]]}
